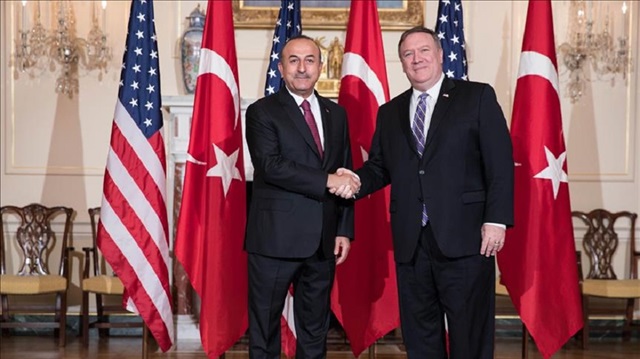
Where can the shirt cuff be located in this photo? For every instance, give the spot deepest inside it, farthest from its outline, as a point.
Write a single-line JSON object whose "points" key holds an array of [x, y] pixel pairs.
{"points": [[503, 226]]}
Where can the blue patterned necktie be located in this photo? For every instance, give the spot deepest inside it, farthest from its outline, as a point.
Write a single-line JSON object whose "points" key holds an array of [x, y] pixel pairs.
{"points": [[419, 135]]}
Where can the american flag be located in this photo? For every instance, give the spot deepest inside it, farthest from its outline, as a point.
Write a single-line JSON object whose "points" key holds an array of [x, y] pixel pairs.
{"points": [[288, 25], [450, 31], [132, 234]]}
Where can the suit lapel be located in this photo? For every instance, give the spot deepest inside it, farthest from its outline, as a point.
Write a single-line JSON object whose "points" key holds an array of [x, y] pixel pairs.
{"points": [[445, 97], [405, 118], [327, 126], [296, 116]]}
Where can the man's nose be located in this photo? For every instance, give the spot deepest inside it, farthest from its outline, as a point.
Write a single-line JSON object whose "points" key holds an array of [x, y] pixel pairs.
{"points": [[301, 67]]}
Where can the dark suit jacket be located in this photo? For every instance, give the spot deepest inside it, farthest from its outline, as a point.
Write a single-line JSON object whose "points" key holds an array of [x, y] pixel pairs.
{"points": [[292, 214], [465, 176]]}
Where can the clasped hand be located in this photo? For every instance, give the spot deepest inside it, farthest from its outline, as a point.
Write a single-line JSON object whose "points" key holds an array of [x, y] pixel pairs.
{"points": [[344, 183]]}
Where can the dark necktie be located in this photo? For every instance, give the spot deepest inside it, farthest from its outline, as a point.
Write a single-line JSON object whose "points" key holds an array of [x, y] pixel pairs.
{"points": [[419, 135], [311, 122]]}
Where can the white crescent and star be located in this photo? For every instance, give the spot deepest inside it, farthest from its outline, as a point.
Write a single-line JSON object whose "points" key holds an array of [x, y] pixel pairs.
{"points": [[355, 65], [226, 168], [554, 171], [536, 64], [212, 63]]}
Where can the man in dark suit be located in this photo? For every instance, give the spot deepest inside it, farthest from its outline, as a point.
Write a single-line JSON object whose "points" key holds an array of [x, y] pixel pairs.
{"points": [[451, 200], [296, 231]]}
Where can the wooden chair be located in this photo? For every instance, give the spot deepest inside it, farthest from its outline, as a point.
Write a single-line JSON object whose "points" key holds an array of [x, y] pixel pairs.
{"points": [[600, 244], [98, 279], [40, 237]]}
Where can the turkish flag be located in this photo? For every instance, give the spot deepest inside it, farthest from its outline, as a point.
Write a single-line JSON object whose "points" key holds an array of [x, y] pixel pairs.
{"points": [[364, 297], [211, 225], [538, 262]]}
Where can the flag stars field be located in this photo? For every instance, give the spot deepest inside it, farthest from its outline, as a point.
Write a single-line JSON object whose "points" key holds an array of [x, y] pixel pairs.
{"points": [[450, 30]]}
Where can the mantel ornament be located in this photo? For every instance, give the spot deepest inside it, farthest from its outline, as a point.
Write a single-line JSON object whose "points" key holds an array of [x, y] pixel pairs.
{"points": [[190, 46], [329, 83]]}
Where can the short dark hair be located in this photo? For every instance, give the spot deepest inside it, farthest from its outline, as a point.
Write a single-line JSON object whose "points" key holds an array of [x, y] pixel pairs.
{"points": [[418, 29], [300, 37]]}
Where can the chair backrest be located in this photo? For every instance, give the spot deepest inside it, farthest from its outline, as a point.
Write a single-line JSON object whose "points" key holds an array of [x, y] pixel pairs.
{"points": [[100, 265], [37, 239], [601, 241]]}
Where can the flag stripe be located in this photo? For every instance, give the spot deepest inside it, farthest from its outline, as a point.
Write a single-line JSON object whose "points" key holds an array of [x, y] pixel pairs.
{"points": [[143, 148], [138, 264], [139, 176], [135, 230], [139, 202]]}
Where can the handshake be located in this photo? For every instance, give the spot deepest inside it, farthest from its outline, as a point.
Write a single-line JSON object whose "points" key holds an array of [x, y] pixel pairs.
{"points": [[344, 183]]}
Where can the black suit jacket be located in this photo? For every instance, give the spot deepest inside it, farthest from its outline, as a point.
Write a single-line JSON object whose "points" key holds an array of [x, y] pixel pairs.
{"points": [[291, 213], [465, 177]]}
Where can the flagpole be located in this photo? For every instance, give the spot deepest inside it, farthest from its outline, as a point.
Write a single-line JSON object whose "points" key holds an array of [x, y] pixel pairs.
{"points": [[145, 342]]}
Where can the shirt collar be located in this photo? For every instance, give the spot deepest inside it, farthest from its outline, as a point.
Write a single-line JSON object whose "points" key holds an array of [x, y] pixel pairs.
{"points": [[433, 92], [298, 99]]}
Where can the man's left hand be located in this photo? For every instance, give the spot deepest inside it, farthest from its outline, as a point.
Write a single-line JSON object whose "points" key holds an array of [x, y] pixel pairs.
{"points": [[341, 250], [492, 240]]}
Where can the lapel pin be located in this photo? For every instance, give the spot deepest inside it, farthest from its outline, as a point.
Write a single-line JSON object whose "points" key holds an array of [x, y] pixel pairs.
{"points": [[445, 95]]}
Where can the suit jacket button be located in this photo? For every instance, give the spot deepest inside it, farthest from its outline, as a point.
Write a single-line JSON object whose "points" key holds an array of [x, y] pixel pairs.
{"points": [[421, 172]]}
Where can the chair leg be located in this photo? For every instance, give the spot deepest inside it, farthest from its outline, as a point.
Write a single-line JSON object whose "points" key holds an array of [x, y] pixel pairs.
{"points": [[585, 320], [525, 342], [626, 329], [85, 318], [5, 313], [103, 332], [62, 309]]}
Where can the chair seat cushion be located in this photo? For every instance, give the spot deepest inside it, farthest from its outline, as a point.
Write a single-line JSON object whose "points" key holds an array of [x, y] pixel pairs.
{"points": [[18, 284], [612, 288], [103, 284]]}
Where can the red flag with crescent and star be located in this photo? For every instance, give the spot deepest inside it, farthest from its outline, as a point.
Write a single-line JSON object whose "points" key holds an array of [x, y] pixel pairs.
{"points": [[365, 296], [211, 225], [538, 261]]}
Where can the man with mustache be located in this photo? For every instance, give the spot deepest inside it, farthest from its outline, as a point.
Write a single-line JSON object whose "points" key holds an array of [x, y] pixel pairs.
{"points": [[297, 232]]}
